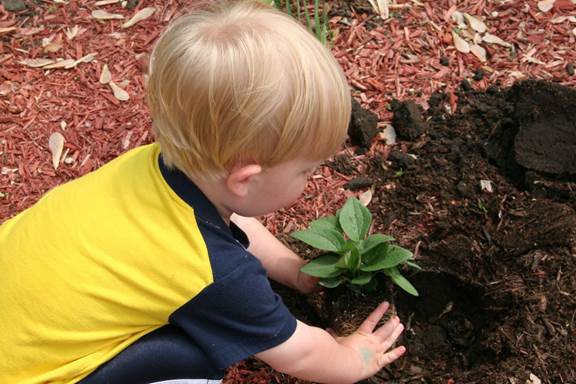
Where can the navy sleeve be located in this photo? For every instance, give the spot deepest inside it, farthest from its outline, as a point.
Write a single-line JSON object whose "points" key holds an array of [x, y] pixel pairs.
{"points": [[237, 316]]}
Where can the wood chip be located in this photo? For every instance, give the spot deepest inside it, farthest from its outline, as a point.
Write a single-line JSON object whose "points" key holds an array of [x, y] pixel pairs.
{"points": [[100, 14], [105, 75], [142, 14], [56, 145], [119, 93]]}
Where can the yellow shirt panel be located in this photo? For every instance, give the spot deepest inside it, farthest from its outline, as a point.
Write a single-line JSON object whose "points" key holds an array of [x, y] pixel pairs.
{"points": [[93, 266]]}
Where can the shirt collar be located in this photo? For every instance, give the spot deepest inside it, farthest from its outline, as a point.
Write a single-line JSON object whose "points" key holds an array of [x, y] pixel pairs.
{"points": [[194, 197]]}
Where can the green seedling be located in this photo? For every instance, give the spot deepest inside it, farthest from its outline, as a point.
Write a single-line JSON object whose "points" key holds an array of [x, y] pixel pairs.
{"points": [[317, 22], [353, 256]]}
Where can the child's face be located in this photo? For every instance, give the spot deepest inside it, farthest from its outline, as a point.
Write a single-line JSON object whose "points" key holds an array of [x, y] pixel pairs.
{"points": [[279, 186]]}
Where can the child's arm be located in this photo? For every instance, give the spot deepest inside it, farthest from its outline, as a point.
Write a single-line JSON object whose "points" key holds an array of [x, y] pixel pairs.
{"points": [[313, 354], [281, 264]]}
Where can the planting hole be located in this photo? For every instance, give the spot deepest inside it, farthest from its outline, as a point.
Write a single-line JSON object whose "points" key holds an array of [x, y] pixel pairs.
{"points": [[449, 318]]}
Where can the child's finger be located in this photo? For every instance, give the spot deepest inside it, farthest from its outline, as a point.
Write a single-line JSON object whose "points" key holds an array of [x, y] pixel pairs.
{"points": [[391, 356], [367, 327], [386, 330], [393, 336]]}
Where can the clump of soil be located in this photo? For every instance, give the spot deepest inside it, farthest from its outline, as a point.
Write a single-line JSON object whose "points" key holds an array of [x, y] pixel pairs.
{"points": [[363, 126], [497, 297], [408, 121]]}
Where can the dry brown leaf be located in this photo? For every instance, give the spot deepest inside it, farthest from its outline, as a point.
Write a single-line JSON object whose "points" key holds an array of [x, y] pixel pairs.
{"points": [[105, 75], [52, 44], [126, 140], [118, 35], [518, 74], [476, 24], [478, 51], [559, 19], [71, 33], [119, 93], [36, 63], [532, 60], [381, 7], [103, 15], [546, 5], [6, 88], [460, 44], [30, 31], [486, 186], [56, 145], [6, 30], [477, 39], [142, 14], [492, 39], [366, 197], [86, 59], [458, 18], [52, 47], [105, 2], [61, 63]]}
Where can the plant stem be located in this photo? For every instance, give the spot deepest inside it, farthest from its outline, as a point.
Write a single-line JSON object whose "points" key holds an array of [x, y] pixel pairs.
{"points": [[317, 26]]}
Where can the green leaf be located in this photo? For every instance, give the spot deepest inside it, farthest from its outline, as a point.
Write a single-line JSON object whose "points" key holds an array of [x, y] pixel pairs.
{"points": [[321, 238], [327, 222], [363, 278], [393, 256], [323, 266], [375, 240], [355, 219], [413, 265], [352, 259], [332, 282], [374, 254], [401, 281]]}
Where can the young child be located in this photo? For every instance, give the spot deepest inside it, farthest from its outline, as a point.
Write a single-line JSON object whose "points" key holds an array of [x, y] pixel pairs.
{"points": [[139, 272]]}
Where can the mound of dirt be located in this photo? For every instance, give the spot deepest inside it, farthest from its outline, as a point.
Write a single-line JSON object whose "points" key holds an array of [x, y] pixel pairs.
{"points": [[488, 203]]}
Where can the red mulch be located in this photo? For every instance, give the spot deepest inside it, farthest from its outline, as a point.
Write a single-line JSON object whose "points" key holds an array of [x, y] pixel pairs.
{"points": [[396, 58]]}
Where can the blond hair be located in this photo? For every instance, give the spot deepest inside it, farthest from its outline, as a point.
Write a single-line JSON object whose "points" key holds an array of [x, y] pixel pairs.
{"points": [[244, 83]]}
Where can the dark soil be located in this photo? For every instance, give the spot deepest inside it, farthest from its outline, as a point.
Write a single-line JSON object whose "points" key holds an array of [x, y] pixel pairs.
{"points": [[363, 125], [487, 197]]}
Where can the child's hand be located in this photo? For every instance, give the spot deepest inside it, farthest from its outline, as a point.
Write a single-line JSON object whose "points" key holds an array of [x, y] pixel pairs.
{"points": [[306, 283], [372, 346]]}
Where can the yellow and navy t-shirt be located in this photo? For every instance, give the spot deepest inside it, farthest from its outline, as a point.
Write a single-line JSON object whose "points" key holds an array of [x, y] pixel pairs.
{"points": [[101, 261]]}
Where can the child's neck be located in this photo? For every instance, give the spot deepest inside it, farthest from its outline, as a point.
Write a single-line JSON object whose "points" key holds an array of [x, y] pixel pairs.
{"points": [[214, 191]]}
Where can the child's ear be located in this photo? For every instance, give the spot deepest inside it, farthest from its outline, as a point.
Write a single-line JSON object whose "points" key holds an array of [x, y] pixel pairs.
{"points": [[239, 179]]}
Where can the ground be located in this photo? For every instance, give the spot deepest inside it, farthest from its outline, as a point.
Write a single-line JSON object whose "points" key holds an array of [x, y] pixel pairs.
{"points": [[480, 184]]}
